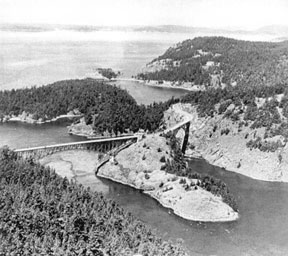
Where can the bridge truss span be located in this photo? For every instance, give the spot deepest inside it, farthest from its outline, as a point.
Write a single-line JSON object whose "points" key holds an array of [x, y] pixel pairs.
{"points": [[100, 145]]}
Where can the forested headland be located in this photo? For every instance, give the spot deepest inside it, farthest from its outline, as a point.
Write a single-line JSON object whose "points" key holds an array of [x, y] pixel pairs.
{"points": [[44, 214], [106, 107], [212, 61], [245, 81]]}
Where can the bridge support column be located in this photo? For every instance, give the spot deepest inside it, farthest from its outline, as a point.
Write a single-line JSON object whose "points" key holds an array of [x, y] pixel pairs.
{"points": [[186, 137]]}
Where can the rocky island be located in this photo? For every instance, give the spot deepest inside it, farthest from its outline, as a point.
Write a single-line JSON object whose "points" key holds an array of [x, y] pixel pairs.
{"points": [[142, 166]]}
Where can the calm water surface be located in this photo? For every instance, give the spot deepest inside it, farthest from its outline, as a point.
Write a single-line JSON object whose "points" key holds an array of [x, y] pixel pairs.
{"points": [[261, 230], [30, 59]]}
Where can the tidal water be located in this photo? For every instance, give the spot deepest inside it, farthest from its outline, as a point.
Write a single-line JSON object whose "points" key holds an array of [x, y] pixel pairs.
{"points": [[33, 59], [261, 230]]}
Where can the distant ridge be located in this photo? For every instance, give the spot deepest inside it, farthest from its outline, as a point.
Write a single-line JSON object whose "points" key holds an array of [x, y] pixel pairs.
{"points": [[274, 29], [14, 27]]}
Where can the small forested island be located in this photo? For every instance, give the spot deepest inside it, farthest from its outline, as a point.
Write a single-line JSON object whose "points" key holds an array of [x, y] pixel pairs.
{"points": [[108, 73]]}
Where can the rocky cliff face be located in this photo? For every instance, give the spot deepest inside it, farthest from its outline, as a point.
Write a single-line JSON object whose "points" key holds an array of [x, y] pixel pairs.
{"points": [[222, 142]]}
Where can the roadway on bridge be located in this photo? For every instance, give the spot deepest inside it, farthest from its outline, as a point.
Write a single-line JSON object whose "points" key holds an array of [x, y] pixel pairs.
{"points": [[177, 126], [78, 143]]}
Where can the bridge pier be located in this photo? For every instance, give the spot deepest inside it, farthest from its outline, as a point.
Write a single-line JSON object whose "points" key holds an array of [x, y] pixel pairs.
{"points": [[176, 128], [186, 138]]}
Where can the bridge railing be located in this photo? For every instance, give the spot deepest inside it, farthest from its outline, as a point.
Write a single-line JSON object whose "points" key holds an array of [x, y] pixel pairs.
{"points": [[101, 145], [86, 142]]}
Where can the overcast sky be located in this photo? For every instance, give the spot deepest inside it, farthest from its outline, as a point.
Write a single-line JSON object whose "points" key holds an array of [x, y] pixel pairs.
{"points": [[248, 14]]}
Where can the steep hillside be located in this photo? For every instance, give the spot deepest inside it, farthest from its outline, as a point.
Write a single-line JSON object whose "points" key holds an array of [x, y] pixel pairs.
{"points": [[219, 61], [233, 144]]}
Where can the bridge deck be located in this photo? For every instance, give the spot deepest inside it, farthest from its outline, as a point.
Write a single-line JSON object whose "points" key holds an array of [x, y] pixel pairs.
{"points": [[176, 126], [78, 143]]}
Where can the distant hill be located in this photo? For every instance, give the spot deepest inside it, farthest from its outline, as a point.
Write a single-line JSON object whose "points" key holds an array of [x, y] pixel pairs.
{"points": [[25, 28], [274, 29], [205, 60], [18, 27], [90, 28]]}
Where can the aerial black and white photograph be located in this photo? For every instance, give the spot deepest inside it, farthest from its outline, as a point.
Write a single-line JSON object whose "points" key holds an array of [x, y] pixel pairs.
{"points": [[143, 128]]}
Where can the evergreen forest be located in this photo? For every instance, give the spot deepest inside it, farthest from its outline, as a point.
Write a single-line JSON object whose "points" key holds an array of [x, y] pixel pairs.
{"points": [[105, 107], [44, 214]]}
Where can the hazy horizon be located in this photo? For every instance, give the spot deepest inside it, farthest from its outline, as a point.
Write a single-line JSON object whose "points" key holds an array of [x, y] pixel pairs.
{"points": [[212, 14], [159, 28]]}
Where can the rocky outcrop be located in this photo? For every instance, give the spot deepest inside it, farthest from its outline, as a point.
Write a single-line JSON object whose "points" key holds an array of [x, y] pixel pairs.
{"points": [[140, 165], [81, 129], [24, 117], [30, 118], [222, 142]]}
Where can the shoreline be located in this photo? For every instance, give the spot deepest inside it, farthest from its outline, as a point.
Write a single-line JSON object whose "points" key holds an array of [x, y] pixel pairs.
{"points": [[82, 129], [200, 157], [165, 84], [77, 165], [30, 120], [167, 206]]}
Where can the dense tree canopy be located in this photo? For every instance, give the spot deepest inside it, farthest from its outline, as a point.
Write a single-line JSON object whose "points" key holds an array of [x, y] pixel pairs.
{"points": [[243, 62], [44, 214], [106, 107], [108, 73]]}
